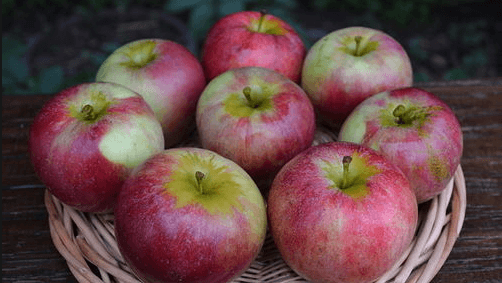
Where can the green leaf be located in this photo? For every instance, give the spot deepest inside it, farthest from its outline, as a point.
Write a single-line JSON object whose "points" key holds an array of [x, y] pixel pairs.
{"points": [[227, 7], [51, 79], [12, 47], [200, 20], [289, 4], [7, 80], [421, 77], [322, 4], [109, 47], [455, 74], [15, 67], [177, 6]]}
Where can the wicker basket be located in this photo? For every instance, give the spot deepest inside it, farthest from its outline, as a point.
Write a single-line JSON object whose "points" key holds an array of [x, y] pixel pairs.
{"points": [[87, 240]]}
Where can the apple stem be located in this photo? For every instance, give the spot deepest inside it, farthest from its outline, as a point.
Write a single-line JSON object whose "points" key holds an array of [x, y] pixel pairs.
{"points": [[199, 176], [358, 44], [263, 13], [247, 93], [346, 163], [88, 112], [406, 116]]}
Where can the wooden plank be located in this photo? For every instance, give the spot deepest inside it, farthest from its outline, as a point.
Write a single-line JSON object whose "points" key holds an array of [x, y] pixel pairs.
{"points": [[28, 254]]}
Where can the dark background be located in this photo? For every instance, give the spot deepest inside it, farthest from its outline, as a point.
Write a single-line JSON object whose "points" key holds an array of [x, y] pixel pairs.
{"points": [[50, 45]]}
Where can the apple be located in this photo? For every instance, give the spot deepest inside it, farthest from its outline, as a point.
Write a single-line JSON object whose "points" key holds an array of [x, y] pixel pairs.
{"points": [[168, 76], [341, 212], [256, 117], [414, 129], [86, 140], [250, 38], [350, 64], [189, 215]]}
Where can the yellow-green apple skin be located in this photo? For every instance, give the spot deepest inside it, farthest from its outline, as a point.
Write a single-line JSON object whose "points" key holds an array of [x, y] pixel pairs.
{"points": [[424, 138], [86, 140], [350, 64], [262, 132], [250, 38], [168, 76], [338, 220], [190, 215]]}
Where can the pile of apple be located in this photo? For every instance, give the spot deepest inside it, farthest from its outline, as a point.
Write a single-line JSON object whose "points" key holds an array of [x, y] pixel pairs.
{"points": [[340, 211]]}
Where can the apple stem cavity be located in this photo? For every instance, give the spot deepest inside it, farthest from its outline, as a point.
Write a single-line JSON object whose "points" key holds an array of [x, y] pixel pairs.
{"points": [[88, 113], [345, 178], [263, 13], [199, 176], [361, 48], [140, 54]]}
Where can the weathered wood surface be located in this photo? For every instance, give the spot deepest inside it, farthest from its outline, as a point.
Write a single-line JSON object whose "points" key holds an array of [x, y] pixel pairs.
{"points": [[28, 254]]}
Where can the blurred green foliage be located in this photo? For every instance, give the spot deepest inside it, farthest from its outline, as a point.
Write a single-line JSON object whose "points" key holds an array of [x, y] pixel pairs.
{"points": [[200, 15], [16, 78]]}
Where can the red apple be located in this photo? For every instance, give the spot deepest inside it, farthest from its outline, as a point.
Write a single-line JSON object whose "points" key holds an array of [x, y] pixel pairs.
{"points": [[341, 212], [189, 215], [348, 65], [256, 117], [249, 38], [414, 129], [86, 140], [166, 74]]}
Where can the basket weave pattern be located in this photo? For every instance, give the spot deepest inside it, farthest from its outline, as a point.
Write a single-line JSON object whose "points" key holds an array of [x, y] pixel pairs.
{"points": [[87, 241]]}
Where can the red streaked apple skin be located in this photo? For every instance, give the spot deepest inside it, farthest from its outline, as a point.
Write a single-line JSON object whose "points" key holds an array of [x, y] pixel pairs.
{"points": [[166, 238], [230, 44], [82, 164], [326, 235], [171, 84], [428, 153], [337, 82], [265, 140]]}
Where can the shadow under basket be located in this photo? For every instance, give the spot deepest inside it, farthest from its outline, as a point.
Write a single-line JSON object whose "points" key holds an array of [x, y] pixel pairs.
{"points": [[87, 240]]}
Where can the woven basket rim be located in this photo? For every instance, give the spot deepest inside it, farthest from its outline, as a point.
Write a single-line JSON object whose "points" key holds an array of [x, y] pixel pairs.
{"points": [[87, 240]]}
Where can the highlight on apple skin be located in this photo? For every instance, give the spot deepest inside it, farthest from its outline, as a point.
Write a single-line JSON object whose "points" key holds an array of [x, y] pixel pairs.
{"points": [[168, 76], [251, 38], [414, 129], [350, 64], [190, 215], [86, 140], [341, 212]]}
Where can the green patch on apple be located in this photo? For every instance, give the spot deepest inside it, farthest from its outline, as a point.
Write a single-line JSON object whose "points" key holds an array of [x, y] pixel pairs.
{"points": [[91, 110], [349, 178], [358, 45], [140, 54], [268, 26], [253, 99], [405, 115], [198, 180]]}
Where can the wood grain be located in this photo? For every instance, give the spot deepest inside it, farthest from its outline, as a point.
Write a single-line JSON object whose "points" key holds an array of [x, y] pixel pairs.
{"points": [[28, 254]]}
